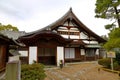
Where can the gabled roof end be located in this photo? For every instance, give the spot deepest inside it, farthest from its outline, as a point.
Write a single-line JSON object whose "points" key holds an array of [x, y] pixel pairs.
{"points": [[70, 8]]}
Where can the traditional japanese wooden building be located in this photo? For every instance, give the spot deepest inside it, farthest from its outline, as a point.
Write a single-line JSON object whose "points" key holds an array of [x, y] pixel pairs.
{"points": [[5, 45], [66, 39]]}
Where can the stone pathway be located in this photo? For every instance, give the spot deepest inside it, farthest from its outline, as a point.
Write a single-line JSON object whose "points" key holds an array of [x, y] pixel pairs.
{"points": [[80, 71]]}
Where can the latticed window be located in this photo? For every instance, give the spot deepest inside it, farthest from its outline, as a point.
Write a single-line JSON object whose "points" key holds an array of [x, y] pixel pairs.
{"points": [[69, 53], [90, 52], [46, 52]]}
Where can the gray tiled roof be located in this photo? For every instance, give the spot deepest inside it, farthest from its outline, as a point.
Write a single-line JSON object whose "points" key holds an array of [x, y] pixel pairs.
{"points": [[13, 34]]}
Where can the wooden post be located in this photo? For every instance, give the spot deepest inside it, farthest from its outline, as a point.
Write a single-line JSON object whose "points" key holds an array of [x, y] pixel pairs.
{"points": [[112, 63]]}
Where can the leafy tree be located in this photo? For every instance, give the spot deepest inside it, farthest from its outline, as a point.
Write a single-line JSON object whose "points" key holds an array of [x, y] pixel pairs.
{"points": [[8, 27], [108, 9], [114, 39]]}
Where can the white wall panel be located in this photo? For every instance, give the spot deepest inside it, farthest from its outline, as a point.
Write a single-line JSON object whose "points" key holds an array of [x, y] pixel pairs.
{"points": [[74, 37], [32, 54], [83, 36], [90, 42], [82, 51], [65, 36], [97, 52], [23, 53], [60, 54]]}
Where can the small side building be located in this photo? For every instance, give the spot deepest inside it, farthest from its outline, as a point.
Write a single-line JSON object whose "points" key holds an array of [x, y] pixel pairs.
{"points": [[5, 45]]}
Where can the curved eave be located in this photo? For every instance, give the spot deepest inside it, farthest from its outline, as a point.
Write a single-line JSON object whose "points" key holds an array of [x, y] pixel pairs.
{"points": [[7, 40], [79, 42], [44, 35]]}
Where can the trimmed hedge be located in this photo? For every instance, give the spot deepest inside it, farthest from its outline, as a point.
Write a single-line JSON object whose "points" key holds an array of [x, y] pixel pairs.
{"points": [[33, 72], [106, 62]]}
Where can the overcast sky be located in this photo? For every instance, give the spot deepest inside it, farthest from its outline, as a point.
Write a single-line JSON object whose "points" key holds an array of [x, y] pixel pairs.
{"points": [[30, 15]]}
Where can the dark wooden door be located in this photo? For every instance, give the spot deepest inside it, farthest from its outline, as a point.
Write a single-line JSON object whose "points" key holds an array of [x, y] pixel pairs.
{"points": [[47, 56]]}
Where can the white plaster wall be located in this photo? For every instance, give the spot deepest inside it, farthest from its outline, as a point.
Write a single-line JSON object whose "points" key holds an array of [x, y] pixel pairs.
{"points": [[65, 36], [66, 24], [74, 37], [90, 42], [96, 42], [32, 54], [60, 54], [71, 36], [93, 42], [83, 36], [97, 52], [23, 53], [82, 51]]}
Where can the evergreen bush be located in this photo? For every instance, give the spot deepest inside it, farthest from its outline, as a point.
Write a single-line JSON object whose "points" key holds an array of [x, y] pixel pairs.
{"points": [[105, 62], [116, 65], [32, 72], [118, 57]]}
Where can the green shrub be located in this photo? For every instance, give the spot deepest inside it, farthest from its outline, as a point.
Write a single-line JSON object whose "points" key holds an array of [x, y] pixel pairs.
{"points": [[116, 66], [118, 57], [32, 72], [105, 62]]}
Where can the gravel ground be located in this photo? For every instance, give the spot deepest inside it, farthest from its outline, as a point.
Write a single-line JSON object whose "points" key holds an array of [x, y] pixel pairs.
{"points": [[80, 71]]}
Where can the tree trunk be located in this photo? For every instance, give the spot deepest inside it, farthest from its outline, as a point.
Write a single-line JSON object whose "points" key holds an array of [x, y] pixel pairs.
{"points": [[118, 18]]}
